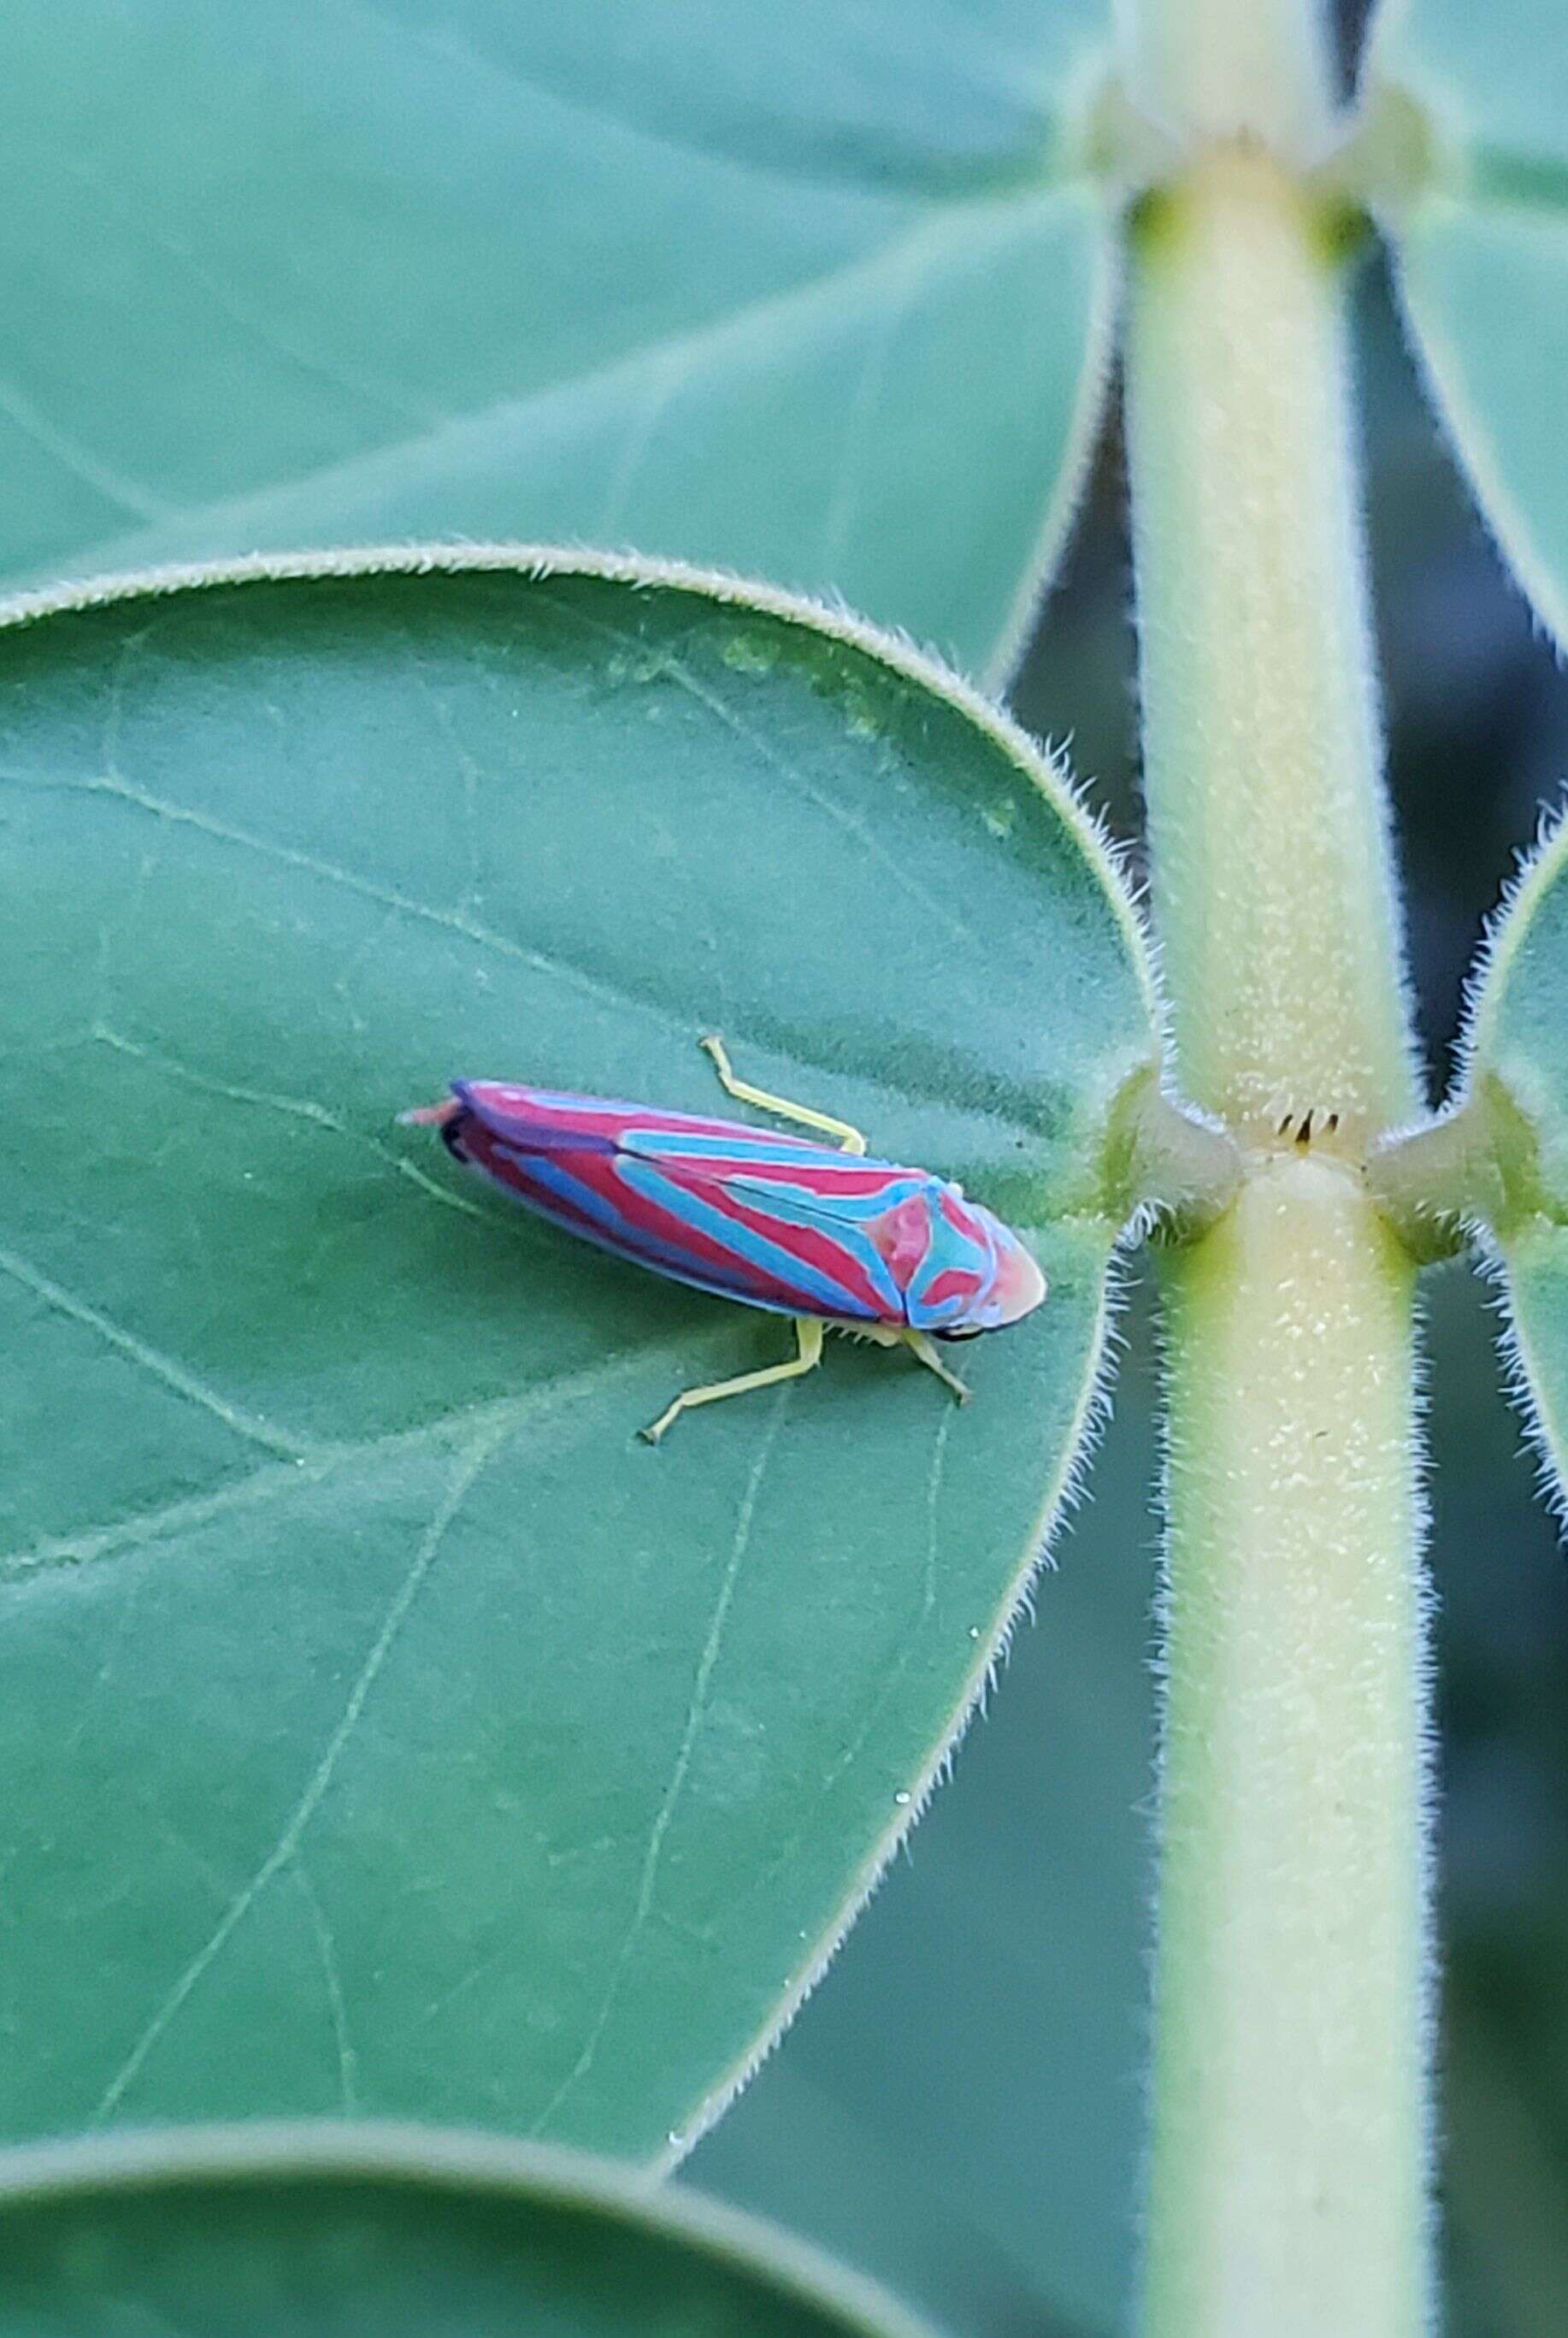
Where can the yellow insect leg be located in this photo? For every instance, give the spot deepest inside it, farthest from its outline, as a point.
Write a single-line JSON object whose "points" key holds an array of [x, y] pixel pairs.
{"points": [[925, 1348], [808, 1334], [850, 1139]]}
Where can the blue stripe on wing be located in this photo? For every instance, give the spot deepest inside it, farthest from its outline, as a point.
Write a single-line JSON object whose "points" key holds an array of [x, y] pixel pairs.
{"points": [[639, 1243], [803, 1292], [819, 1293]]}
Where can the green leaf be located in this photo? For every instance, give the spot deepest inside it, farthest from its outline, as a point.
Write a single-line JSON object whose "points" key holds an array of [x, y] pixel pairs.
{"points": [[343, 2232], [382, 1725], [817, 293], [1516, 1088], [1480, 233]]}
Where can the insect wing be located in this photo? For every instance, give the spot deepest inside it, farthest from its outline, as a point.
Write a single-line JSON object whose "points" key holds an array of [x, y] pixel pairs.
{"points": [[775, 1221], [820, 1225]]}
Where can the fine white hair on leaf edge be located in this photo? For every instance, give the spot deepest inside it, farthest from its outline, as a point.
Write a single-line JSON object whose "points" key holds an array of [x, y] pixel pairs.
{"points": [[1519, 1384], [1531, 867]]}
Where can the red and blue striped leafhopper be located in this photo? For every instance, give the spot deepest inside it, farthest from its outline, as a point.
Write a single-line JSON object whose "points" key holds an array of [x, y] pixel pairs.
{"points": [[818, 1231]]}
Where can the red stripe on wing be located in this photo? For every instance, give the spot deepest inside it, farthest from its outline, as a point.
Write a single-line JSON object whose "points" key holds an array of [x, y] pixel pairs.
{"points": [[637, 1226], [813, 1245]]}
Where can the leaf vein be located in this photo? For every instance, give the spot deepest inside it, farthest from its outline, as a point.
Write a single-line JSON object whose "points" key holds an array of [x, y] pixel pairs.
{"points": [[931, 905], [534, 1409], [295, 1108], [471, 1461], [696, 1714], [844, 287], [331, 872], [75, 460], [598, 986], [252, 1426], [332, 1982]]}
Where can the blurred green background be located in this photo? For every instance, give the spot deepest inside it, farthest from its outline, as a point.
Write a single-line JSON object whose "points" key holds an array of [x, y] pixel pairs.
{"points": [[959, 2108]]}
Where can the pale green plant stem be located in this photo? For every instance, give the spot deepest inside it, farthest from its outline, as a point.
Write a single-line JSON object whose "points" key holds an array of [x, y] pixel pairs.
{"points": [[1273, 889], [1288, 2165], [1289, 2120]]}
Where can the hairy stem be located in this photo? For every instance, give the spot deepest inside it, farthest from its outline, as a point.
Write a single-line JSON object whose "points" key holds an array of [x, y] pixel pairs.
{"points": [[1262, 757], [1287, 2165]]}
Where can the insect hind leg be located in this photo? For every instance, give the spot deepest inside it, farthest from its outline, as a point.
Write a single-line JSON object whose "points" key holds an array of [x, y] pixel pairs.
{"points": [[850, 1139], [808, 1336]]}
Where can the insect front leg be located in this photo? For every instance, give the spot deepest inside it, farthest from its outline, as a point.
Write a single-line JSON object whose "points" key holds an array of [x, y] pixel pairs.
{"points": [[808, 1332], [850, 1139]]}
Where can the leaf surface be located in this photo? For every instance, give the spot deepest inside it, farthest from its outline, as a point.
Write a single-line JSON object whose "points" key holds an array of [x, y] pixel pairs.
{"points": [[382, 1725], [815, 293]]}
